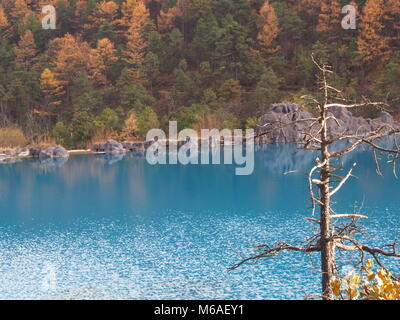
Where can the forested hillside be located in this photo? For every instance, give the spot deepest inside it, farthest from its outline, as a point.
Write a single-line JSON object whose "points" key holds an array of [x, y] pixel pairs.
{"points": [[117, 68]]}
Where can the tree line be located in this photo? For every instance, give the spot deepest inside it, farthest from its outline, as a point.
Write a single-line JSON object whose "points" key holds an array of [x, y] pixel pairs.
{"points": [[118, 68]]}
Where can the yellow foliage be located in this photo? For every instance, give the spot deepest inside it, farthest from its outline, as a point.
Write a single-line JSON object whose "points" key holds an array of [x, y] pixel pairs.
{"points": [[130, 129], [269, 27], [25, 51], [3, 19], [372, 286], [329, 19], [138, 16], [12, 137]]}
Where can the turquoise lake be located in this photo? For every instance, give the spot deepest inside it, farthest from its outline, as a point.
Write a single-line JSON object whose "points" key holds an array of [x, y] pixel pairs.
{"points": [[104, 227]]}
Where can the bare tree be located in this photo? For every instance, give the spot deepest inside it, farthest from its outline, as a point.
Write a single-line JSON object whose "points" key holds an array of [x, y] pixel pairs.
{"points": [[325, 181]]}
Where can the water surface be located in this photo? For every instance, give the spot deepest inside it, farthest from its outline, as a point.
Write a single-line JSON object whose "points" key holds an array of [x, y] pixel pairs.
{"points": [[99, 227]]}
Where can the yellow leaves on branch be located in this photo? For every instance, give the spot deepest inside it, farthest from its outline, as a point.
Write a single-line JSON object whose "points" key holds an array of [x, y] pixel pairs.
{"points": [[269, 28], [369, 286]]}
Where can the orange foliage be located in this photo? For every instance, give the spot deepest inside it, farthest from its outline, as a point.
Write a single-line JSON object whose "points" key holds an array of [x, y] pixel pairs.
{"points": [[25, 51], [379, 25], [71, 58], [99, 59], [136, 44], [269, 29], [329, 19]]}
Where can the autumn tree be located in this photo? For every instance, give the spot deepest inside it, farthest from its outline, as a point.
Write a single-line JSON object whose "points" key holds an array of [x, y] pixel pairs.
{"points": [[5, 27], [104, 16], [176, 16], [138, 16], [3, 19], [309, 10], [19, 13], [379, 34], [25, 51], [269, 28], [100, 60], [20, 10], [52, 91], [71, 60], [329, 19]]}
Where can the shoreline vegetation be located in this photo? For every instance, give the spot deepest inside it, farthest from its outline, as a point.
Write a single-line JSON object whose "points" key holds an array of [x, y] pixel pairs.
{"points": [[265, 133]]}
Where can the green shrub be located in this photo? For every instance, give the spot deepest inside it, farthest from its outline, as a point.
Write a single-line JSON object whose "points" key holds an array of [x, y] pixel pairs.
{"points": [[62, 134], [146, 121]]}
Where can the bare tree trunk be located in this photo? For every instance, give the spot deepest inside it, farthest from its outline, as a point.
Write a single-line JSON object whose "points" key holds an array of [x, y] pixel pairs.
{"points": [[327, 245], [327, 248], [331, 234]]}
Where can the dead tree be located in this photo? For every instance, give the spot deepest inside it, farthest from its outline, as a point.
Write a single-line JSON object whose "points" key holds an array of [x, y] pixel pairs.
{"points": [[325, 181]]}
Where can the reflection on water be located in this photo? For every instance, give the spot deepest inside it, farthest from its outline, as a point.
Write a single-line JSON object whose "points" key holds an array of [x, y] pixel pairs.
{"points": [[116, 227]]}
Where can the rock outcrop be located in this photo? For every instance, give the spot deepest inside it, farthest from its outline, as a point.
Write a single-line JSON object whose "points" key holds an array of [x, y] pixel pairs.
{"points": [[109, 146], [280, 123], [54, 152], [14, 155], [112, 146]]}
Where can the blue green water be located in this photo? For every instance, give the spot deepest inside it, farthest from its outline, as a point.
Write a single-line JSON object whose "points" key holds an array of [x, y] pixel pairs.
{"points": [[99, 227]]}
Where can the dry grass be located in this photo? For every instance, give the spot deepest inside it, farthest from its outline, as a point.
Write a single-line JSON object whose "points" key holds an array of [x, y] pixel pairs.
{"points": [[43, 141], [101, 136], [12, 137]]}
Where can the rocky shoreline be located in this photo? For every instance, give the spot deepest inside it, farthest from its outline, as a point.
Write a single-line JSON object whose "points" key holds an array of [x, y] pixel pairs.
{"points": [[12, 155], [291, 132]]}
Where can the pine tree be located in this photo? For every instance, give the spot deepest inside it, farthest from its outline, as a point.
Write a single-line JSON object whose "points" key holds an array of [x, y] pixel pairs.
{"points": [[329, 19], [51, 89], [136, 44], [3, 19], [104, 14], [269, 29], [25, 52], [380, 28], [20, 10], [100, 60], [71, 61]]}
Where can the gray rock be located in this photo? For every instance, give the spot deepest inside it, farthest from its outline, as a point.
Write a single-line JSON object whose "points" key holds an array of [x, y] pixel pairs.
{"points": [[134, 146], [23, 152], [60, 152], [11, 153], [34, 152], [54, 152], [284, 115], [112, 146]]}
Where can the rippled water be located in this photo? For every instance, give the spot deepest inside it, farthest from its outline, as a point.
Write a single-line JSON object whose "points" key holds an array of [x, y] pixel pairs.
{"points": [[99, 227]]}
